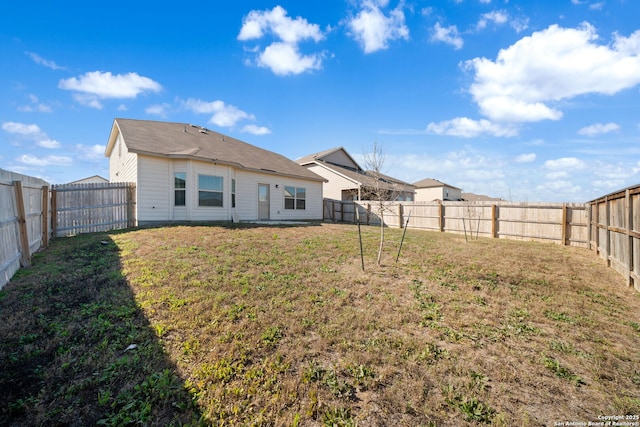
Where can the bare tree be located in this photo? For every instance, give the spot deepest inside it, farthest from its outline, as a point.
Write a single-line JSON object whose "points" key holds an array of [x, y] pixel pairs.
{"points": [[379, 188]]}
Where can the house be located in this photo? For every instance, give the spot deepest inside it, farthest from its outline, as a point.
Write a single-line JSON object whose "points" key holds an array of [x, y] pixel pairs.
{"points": [[429, 189], [346, 180], [95, 179], [185, 172]]}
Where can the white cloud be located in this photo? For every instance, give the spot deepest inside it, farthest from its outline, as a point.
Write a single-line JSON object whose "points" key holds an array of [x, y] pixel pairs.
{"points": [[91, 152], [161, 110], [284, 59], [88, 100], [32, 133], [256, 130], [48, 143], [276, 21], [21, 128], [373, 30], [598, 129], [559, 186], [549, 66], [223, 115], [627, 45], [526, 158], [448, 35], [41, 61], [565, 163], [28, 159], [557, 175], [497, 17], [283, 56], [468, 128], [35, 105], [104, 85]]}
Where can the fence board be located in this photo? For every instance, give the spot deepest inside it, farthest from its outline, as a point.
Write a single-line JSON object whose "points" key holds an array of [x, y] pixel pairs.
{"points": [[615, 232], [13, 248], [95, 207], [562, 223]]}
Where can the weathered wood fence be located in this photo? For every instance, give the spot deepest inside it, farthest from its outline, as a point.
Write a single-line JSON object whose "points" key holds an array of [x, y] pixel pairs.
{"points": [[562, 223], [31, 212], [90, 208], [615, 232], [24, 221]]}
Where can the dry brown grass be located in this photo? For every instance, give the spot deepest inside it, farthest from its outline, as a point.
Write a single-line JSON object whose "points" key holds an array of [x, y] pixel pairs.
{"points": [[279, 326]]}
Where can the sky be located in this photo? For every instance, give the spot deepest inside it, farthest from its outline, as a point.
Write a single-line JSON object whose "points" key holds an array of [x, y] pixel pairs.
{"points": [[527, 101]]}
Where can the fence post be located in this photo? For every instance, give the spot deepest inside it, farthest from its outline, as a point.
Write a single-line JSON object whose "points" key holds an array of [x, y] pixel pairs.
{"points": [[596, 223], [368, 213], [131, 210], [54, 212], [441, 215], [400, 215], [564, 224], [494, 221], [629, 223], [25, 256], [607, 244], [333, 210], [45, 216]]}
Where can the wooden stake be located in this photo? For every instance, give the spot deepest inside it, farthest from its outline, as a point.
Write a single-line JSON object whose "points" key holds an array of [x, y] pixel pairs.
{"points": [[45, 216], [25, 256]]}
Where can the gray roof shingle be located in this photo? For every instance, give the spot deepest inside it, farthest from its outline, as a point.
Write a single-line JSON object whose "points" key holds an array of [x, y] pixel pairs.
{"points": [[181, 140]]}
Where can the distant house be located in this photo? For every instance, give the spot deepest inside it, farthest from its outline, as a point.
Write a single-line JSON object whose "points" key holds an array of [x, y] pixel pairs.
{"points": [[184, 172], [429, 189], [346, 180], [95, 179]]}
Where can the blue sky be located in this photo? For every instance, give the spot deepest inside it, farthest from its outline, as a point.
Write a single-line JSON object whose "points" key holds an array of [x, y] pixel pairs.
{"points": [[528, 101]]}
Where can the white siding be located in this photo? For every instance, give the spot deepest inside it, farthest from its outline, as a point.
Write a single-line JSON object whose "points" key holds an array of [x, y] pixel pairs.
{"points": [[340, 158], [336, 183], [438, 193], [153, 190], [428, 194], [247, 197], [454, 194], [123, 165]]}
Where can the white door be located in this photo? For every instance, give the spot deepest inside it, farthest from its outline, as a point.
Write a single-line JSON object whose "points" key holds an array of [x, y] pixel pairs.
{"points": [[263, 201]]}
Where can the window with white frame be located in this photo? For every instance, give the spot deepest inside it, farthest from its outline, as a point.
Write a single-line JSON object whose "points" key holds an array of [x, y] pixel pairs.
{"points": [[233, 192], [180, 188], [210, 190], [295, 197]]}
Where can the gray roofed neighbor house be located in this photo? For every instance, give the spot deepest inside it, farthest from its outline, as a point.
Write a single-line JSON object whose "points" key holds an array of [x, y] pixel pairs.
{"points": [[430, 183], [182, 140]]}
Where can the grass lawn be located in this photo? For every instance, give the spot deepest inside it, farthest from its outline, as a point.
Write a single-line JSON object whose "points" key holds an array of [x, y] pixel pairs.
{"points": [[279, 326]]}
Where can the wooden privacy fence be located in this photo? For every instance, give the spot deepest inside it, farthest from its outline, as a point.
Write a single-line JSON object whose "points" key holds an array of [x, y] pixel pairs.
{"points": [[24, 221], [562, 223], [615, 232], [31, 212], [90, 208]]}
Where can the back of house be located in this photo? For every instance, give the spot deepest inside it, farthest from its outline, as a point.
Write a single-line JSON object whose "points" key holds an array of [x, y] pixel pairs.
{"points": [[188, 173]]}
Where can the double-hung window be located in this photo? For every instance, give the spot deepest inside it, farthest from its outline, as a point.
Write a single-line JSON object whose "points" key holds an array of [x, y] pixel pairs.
{"points": [[295, 197], [210, 190], [180, 188]]}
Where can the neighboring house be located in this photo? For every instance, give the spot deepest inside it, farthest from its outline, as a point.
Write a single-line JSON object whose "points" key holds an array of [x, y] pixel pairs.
{"points": [[346, 180], [428, 190], [472, 197], [184, 172], [95, 179]]}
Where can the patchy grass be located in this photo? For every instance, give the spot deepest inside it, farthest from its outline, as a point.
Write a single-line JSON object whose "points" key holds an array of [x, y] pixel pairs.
{"points": [[279, 326]]}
